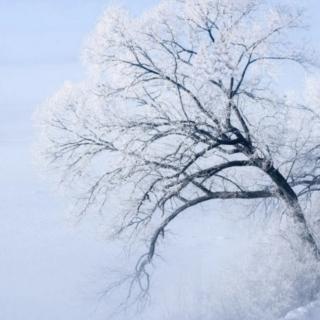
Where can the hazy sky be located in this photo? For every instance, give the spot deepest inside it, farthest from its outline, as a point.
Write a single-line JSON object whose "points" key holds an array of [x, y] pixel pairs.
{"points": [[40, 46], [47, 265]]}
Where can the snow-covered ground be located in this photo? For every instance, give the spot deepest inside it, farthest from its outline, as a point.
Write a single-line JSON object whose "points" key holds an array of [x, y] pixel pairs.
{"points": [[308, 312]]}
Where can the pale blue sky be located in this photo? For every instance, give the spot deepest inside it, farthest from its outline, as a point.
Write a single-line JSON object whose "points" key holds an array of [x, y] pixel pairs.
{"points": [[46, 264], [48, 267], [40, 46]]}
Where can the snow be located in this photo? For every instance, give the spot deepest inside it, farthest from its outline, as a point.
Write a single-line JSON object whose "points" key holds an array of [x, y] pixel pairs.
{"points": [[308, 312]]}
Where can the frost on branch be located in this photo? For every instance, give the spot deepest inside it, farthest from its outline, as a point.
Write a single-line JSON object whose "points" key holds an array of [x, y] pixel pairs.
{"points": [[181, 106]]}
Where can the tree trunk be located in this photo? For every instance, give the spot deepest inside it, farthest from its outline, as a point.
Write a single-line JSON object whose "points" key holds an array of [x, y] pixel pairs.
{"points": [[291, 200]]}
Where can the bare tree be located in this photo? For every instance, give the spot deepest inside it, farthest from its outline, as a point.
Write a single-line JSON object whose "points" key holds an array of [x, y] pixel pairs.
{"points": [[182, 106]]}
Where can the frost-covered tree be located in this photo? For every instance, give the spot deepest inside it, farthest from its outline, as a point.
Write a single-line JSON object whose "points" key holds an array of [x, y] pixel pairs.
{"points": [[182, 106]]}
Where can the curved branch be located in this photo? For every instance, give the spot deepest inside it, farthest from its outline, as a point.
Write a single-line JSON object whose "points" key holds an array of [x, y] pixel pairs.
{"points": [[146, 259]]}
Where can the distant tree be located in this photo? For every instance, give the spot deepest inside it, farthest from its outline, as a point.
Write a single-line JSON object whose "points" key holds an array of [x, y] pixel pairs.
{"points": [[181, 106]]}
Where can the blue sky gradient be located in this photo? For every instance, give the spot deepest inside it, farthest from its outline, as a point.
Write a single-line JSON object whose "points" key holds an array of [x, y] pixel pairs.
{"points": [[47, 265]]}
